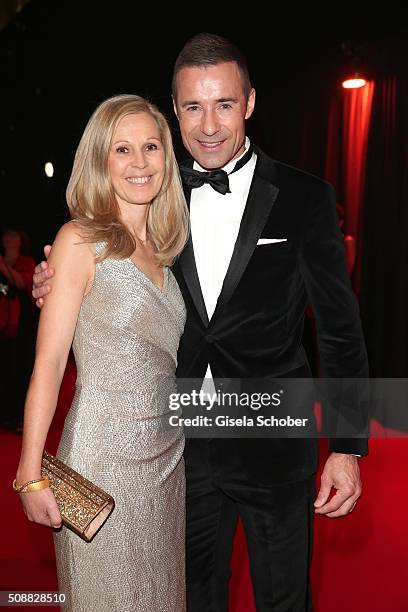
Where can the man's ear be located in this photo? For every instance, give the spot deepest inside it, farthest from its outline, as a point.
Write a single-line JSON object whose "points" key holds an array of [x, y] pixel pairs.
{"points": [[250, 103], [174, 107]]}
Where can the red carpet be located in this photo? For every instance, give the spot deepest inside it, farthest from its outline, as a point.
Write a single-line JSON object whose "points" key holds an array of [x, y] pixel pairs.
{"points": [[360, 563]]}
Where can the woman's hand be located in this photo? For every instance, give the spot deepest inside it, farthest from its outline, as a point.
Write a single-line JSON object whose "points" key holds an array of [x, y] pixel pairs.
{"points": [[41, 507]]}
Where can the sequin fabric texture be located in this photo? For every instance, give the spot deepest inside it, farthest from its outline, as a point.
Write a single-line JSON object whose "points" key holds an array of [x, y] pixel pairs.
{"points": [[117, 435]]}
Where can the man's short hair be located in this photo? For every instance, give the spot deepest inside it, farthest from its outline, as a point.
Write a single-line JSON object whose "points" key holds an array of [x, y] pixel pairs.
{"points": [[209, 50]]}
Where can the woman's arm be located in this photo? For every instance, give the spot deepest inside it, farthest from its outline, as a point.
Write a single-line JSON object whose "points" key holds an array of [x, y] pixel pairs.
{"points": [[75, 264]]}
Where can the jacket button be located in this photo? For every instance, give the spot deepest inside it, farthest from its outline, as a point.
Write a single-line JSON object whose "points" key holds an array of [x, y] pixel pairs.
{"points": [[210, 338]]}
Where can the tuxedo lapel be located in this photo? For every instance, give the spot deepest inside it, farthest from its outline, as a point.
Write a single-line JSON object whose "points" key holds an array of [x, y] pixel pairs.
{"points": [[261, 198], [188, 267]]}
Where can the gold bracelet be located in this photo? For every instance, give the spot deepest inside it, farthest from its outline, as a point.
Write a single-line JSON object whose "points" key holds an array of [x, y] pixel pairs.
{"points": [[32, 485]]}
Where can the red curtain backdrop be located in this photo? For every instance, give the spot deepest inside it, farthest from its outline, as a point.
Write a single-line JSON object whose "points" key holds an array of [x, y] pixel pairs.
{"points": [[385, 246], [347, 141]]}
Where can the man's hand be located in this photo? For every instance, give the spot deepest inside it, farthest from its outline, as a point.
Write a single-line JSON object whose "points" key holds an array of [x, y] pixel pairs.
{"points": [[341, 471], [41, 273]]}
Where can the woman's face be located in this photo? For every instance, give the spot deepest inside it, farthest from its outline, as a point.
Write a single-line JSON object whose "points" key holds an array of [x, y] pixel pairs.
{"points": [[11, 241], [136, 160]]}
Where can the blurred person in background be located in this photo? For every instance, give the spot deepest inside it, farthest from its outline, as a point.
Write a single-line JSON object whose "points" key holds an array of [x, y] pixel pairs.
{"points": [[18, 322]]}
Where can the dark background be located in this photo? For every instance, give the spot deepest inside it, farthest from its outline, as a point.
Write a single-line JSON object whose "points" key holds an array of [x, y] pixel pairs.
{"points": [[60, 59]]}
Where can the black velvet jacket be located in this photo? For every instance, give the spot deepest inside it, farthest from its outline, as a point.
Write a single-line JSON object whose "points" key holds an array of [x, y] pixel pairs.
{"points": [[256, 329]]}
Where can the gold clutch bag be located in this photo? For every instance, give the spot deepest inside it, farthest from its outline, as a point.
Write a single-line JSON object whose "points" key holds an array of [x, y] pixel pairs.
{"points": [[84, 507]]}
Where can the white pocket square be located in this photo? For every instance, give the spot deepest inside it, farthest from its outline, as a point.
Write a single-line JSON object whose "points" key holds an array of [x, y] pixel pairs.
{"points": [[270, 240]]}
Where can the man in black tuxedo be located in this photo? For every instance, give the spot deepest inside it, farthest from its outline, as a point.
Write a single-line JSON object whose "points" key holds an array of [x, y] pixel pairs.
{"points": [[265, 241]]}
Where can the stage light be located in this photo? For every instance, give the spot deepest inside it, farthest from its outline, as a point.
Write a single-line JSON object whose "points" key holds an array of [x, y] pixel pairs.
{"points": [[356, 67], [49, 169], [355, 82]]}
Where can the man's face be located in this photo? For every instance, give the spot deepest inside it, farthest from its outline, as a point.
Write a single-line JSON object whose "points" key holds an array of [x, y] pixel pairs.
{"points": [[211, 108]]}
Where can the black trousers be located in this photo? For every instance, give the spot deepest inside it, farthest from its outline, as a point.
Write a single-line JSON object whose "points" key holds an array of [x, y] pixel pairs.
{"points": [[278, 521]]}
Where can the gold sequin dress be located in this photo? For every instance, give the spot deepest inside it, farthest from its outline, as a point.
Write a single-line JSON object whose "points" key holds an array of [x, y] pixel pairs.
{"points": [[117, 435]]}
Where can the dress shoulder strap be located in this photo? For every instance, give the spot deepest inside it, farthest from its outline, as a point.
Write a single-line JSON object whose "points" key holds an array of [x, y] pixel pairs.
{"points": [[99, 246]]}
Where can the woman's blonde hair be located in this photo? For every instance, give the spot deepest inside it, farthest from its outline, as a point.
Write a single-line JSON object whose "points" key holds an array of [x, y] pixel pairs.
{"points": [[91, 198]]}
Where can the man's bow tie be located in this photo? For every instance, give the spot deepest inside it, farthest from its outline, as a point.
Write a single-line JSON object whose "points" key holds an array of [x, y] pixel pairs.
{"points": [[218, 179]]}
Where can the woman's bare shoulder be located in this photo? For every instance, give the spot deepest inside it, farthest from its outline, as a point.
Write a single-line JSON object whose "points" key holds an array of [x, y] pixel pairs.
{"points": [[71, 238], [71, 231]]}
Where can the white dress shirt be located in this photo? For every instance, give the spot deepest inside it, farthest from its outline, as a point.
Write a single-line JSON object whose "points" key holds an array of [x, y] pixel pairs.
{"points": [[215, 221]]}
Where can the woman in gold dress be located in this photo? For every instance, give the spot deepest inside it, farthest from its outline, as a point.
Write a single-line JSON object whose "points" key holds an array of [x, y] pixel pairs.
{"points": [[115, 299]]}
